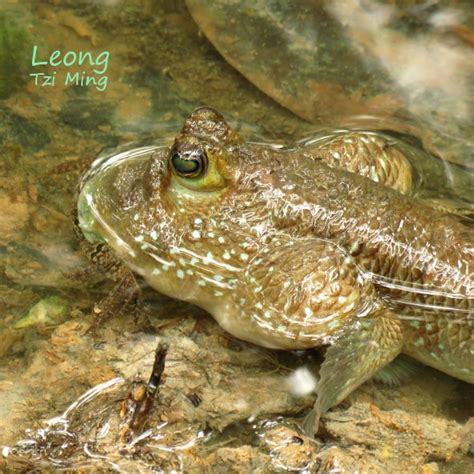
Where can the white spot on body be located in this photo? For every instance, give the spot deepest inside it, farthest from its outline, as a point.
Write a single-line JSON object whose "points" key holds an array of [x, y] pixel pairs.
{"points": [[373, 174], [333, 324], [419, 342]]}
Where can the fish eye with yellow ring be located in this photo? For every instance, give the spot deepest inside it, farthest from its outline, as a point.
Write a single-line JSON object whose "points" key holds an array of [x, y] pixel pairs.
{"points": [[191, 164], [196, 169]]}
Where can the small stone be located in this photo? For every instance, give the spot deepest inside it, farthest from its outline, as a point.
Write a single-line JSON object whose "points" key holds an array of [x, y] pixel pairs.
{"points": [[430, 468], [48, 311]]}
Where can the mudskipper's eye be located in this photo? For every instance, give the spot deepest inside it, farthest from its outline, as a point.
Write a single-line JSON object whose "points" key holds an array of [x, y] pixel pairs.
{"points": [[190, 164]]}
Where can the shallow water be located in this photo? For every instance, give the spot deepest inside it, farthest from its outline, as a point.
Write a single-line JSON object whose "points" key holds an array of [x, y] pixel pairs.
{"points": [[223, 404]]}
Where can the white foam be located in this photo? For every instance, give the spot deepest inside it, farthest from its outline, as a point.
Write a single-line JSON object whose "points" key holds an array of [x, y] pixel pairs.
{"points": [[301, 382]]}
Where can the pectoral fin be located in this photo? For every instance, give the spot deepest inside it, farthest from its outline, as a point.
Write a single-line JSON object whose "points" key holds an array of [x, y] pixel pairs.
{"points": [[367, 346], [400, 370]]}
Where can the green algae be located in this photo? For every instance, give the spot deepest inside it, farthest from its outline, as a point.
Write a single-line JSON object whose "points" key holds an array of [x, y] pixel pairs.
{"points": [[13, 53], [48, 311]]}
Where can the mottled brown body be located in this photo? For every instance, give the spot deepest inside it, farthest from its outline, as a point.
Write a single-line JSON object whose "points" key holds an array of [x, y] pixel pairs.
{"points": [[294, 248]]}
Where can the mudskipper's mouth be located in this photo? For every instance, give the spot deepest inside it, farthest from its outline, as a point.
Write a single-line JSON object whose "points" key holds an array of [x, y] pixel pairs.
{"points": [[91, 186], [104, 162], [86, 215]]}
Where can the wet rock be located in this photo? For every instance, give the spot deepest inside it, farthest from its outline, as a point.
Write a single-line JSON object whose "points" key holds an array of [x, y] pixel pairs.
{"points": [[17, 129], [290, 450], [239, 460], [47, 220], [337, 460], [85, 113], [9, 337], [430, 468], [14, 215], [393, 440], [210, 384], [231, 385], [165, 96], [154, 103], [47, 263], [9, 413]]}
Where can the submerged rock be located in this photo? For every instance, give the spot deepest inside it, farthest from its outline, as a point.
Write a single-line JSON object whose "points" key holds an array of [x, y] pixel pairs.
{"points": [[86, 114], [13, 40], [222, 406], [18, 129]]}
